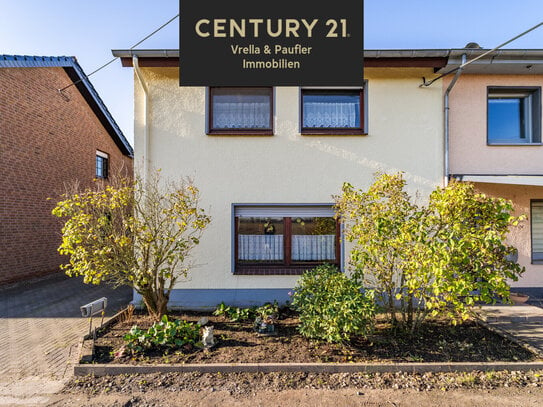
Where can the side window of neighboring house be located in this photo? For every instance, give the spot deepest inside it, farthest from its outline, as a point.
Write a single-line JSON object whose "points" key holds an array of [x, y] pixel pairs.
{"points": [[240, 111], [333, 111], [284, 239], [513, 115], [537, 231], [102, 164]]}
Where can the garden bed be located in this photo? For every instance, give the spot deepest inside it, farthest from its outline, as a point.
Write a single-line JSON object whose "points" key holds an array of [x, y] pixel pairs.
{"points": [[236, 342]]}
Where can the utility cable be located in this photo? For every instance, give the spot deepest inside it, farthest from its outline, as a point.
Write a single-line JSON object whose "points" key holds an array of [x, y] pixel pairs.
{"points": [[114, 59], [480, 56]]}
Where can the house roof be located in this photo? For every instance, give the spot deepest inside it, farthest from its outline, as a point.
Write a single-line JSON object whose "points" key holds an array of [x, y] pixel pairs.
{"points": [[89, 93], [502, 61]]}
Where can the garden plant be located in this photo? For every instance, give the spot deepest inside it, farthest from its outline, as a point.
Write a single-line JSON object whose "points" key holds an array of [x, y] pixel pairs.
{"points": [[136, 233], [439, 258]]}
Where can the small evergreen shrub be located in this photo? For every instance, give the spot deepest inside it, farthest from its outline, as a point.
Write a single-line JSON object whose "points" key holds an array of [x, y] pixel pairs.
{"points": [[332, 306]]}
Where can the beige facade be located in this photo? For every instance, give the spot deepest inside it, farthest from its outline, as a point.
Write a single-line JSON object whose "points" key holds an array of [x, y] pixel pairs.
{"points": [[404, 125], [405, 131]]}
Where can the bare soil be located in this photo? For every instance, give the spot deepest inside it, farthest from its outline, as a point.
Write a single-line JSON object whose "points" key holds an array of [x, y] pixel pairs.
{"points": [[303, 389], [437, 341]]}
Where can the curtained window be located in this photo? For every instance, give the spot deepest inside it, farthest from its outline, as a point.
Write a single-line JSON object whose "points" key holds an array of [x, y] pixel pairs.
{"points": [[283, 238], [240, 110], [329, 111]]}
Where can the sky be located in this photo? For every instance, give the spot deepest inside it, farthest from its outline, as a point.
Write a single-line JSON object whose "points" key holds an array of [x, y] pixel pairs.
{"points": [[89, 30]]}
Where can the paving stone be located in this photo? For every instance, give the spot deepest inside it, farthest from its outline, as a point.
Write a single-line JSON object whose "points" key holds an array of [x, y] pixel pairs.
{"points": [[40, 325]]}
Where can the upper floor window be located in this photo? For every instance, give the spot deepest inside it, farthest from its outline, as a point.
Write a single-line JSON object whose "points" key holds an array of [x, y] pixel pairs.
{"points": [[514, 115], [240, 110], [332, 111], [284, 239], [102, 164]]}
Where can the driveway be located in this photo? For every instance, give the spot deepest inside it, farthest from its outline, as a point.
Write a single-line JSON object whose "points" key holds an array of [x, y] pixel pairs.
{"points": [[40, 327]]}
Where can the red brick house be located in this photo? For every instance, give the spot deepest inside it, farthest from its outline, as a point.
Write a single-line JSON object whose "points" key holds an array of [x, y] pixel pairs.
{"points": [[48, 139]]}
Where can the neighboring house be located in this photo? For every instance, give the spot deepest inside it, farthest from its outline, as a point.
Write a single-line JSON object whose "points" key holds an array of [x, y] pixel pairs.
{"points": [[495, 141], [268, 160], [48, 140]]}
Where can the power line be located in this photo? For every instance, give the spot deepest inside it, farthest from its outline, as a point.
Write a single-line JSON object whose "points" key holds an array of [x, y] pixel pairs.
{"points": [[114, 59], [481, 56]]}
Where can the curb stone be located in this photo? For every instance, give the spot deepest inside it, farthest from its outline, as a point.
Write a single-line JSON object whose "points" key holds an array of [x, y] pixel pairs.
{"points": [[86, 343], [118, 369]]}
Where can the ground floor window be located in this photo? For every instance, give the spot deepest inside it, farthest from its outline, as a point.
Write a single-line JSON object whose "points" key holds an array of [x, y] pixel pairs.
{"points": [[537, 231], [284, 239]]}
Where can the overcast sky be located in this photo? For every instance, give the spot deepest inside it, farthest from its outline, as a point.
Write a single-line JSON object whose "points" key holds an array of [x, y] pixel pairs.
{"points": [[89, 30]]}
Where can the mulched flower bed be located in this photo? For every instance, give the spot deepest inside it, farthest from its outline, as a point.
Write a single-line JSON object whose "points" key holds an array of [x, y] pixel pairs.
{"points": [[236, 342]]}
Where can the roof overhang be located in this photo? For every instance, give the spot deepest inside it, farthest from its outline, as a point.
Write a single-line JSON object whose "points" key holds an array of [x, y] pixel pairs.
{"points": [[532, 180], [435, 59], [500, 62]]}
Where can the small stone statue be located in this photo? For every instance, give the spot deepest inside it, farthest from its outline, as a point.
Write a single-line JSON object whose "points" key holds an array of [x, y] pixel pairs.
{"points": [[207, 337]]}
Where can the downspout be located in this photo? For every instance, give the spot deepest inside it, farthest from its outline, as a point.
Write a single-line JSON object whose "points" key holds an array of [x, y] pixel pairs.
{"points": [[446, 107], [145, 119]]}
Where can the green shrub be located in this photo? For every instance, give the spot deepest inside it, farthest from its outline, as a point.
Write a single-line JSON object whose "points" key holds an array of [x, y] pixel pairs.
{"points": [[163, 334], [236, 314], [332, 306]]}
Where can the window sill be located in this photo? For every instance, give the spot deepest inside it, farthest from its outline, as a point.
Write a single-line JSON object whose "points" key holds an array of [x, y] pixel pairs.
{"points": [[333, 132], [240, 132], [273, 270], [537, 262], [513, 144]]}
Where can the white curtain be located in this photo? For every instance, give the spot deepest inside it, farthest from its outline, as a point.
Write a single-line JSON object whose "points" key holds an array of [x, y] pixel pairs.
{"points": [[313, 247], [331, 114], [252, 112], [260, 247]]}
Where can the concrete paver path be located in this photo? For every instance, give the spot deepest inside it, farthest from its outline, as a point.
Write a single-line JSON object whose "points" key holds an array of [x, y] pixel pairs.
{"points": [[40, 327], [524, 322]]}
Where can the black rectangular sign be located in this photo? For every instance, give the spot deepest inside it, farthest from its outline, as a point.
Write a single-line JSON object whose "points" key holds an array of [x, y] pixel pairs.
{"points": [[271, 43]]}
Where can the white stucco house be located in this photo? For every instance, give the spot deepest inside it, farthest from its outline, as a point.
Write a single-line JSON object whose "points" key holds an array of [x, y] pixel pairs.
{"points": [[268, 160]]}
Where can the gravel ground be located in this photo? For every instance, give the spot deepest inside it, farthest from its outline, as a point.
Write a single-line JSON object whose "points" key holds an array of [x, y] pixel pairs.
{"points": [[303, 389], [249, 383]]}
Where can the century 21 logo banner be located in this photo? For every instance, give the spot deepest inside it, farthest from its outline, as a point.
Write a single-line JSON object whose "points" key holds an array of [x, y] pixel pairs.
{"points": [[271, 43]]}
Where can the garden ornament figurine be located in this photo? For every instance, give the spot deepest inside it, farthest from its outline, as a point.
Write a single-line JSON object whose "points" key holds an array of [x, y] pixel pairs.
{"points": [[207, 337]]}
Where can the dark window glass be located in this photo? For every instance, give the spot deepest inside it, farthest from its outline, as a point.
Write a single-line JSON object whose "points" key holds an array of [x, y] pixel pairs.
{"points": [[101, 167], [513, 116]]}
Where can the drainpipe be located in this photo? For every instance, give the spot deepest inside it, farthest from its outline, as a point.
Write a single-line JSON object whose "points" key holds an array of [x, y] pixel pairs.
{"points": [[145, 118], [446, 107]]}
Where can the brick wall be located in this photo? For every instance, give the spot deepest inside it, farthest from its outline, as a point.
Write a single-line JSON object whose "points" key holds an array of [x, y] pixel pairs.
{"points": [[46, 142]]}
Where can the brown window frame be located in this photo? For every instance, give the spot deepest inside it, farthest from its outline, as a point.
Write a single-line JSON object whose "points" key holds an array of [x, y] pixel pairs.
{"points": [[239, 131], [354, 131], [288, 267]]}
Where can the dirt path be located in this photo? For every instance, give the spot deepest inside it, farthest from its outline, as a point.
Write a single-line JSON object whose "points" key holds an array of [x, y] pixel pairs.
{"points": [[312, 397]]}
